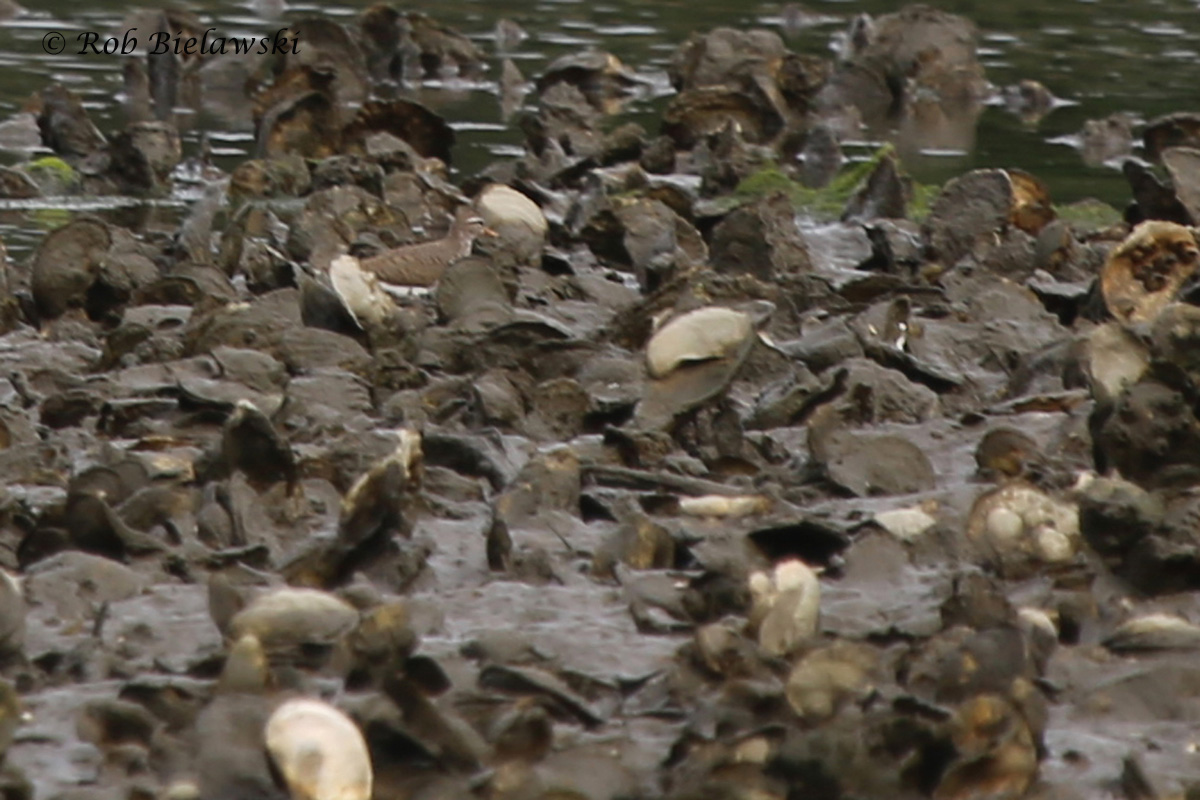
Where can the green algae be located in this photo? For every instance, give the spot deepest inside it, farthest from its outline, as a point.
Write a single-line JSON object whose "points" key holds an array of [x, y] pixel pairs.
{"points": [[1088, 215], [829, 201], [53, 165], [53, 175]]}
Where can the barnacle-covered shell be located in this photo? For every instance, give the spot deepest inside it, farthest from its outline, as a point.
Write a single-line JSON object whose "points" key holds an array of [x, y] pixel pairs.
{"points": [[1144, 273], [1021, 526]]}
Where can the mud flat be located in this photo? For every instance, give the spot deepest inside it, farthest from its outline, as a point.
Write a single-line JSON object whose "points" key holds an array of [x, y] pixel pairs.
{"points": [[690, 459]]}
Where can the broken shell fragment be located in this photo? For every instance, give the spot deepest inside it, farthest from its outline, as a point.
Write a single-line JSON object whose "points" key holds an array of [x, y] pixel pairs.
{"points": [[715, 505], [1031, 207], [251, 444], [973, 208], [319, 752], [908, 524], [375, 500], [1145, 272], [1183, 165], [996, 753]]}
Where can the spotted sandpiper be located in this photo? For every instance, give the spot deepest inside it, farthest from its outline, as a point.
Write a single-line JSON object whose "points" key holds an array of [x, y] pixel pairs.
{"points": [[421, 265]]}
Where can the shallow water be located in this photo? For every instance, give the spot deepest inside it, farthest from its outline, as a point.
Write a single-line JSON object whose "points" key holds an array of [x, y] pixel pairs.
{"points": [[1098, 56]]}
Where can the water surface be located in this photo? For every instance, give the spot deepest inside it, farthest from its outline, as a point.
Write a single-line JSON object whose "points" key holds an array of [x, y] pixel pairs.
{"points": [[1100, 56]]}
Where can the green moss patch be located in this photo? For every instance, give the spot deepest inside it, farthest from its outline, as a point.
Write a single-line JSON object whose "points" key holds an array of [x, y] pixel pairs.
{"points": [[829, 201]]}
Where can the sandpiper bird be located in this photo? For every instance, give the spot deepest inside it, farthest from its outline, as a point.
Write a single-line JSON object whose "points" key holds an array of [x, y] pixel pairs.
{"points": [[421, 265]]}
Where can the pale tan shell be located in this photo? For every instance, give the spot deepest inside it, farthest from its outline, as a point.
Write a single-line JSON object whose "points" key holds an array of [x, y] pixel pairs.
{"points": [[319, 751], [500, 205], [1036, 619], [1115, 359], [359, 290], [907, 524], [716, 505], [290, 616], [700, 335], [1156, 631], [785, 606]]}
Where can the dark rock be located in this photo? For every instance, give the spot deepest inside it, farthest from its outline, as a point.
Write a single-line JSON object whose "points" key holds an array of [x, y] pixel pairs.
{"points": [[599, 75], [65, 125], [1181, 129], [761, 239], [1149, 433]]}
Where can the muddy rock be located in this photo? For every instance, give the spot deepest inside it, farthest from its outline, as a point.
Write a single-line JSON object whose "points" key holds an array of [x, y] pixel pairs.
{"points": [[655, 483], [1181, 129], [64, 123], [973, 210], [1146, 434], [762, 240], [724, 55], [600, 76]]}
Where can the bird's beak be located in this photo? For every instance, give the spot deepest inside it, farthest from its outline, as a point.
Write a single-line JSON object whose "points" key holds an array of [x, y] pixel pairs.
{"points": [[489, 233]]}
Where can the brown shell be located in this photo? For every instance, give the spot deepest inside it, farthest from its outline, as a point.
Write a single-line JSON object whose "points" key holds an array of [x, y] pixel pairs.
{"points": [[1031, 207], [1183, 165], [66, 263], [697, 113], [298, 114], [428, 133], [1172, 130], [1144, 273]]}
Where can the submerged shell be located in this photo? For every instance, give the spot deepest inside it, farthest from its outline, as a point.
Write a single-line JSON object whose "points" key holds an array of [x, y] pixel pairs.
{"points": [[319, 752], [700, 335]]}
